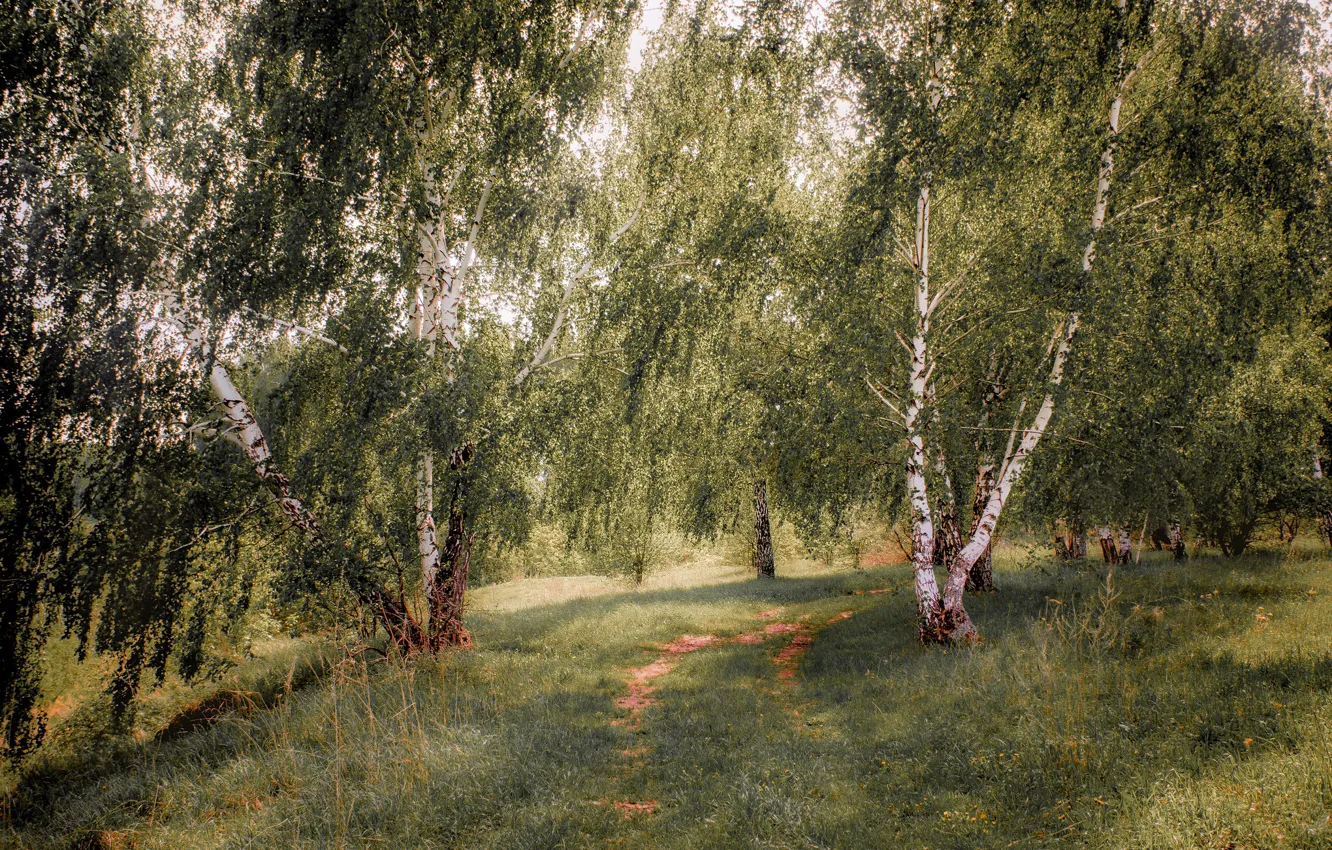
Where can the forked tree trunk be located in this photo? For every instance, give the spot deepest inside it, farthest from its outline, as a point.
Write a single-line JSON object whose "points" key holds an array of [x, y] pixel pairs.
{"points": [[949, 621], [434, 319], [765, 565]]}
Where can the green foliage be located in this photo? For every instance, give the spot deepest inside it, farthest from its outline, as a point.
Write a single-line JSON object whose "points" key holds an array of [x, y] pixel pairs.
{"points": [[269, 163], [1251, 449]]}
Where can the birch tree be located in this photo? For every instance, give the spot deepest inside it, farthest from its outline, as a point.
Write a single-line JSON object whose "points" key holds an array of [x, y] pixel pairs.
{"points": [[916, 54], [1220, 254]]}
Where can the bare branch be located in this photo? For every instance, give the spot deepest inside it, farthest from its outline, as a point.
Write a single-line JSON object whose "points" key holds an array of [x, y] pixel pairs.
{"points": [[901, 418]]}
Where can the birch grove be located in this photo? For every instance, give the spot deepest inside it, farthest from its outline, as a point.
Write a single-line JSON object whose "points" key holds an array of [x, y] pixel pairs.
{"points": [[339, 315]]}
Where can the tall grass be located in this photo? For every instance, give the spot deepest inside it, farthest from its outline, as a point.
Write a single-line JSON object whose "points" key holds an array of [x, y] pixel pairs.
{"points": [[1166, 706]]}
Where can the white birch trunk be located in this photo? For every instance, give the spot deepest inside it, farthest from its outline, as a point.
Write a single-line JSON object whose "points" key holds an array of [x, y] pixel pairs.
{"points": [[981, 575], [240, 425], [922, 524], [427, 544], [956, 619], [435, 317], [959, 623]]}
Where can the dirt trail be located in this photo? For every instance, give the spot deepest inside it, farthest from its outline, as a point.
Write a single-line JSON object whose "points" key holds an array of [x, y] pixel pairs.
{"points": [[642, 688], [788, 659], [640, 678]]}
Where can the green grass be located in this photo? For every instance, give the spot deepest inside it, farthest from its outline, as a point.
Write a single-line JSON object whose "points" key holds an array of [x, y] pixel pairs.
{"points": [[1179, 706]]}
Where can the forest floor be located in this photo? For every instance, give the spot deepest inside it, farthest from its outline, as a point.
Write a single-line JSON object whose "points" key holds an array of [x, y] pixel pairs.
{"points": [[1174, 706]]}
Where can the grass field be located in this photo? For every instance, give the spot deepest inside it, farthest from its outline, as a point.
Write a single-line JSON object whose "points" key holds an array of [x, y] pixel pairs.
{"points": [[1175, 706]]}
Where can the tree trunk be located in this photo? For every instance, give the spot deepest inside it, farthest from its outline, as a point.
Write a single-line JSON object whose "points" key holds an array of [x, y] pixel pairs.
{"points": [[949, 621], [448, 590], [980, 577], [1234, 543], [1177, 542], [1077, 539], [427, 544], [239, 423], [1160, 538], [242, 428], [764, 563], [922, 524], [948, 536], [1108, 553], [1061, 548]]}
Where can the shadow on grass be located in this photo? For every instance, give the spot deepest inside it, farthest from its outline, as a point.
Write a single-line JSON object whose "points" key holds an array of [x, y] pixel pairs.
{"points": [[524, 630]]}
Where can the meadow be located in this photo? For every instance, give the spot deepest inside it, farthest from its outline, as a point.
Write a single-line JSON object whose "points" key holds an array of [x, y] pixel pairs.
{"points": [[1165, 706]]}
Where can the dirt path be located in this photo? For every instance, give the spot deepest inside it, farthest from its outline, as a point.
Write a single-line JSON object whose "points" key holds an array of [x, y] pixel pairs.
{"points": [[642, 687]]}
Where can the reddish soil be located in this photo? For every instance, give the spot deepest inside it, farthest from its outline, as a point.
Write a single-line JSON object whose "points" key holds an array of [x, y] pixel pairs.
{"points": [[641, 687], [640, 678], [628, 809], [689, 643], [884, 557], [789, 657]]}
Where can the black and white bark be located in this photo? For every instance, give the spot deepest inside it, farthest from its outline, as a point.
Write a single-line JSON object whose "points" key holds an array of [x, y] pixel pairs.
{"points": [[954, 624], [442, 276], [948, 535], [238, 424], [981, 576], [765, 565]]}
